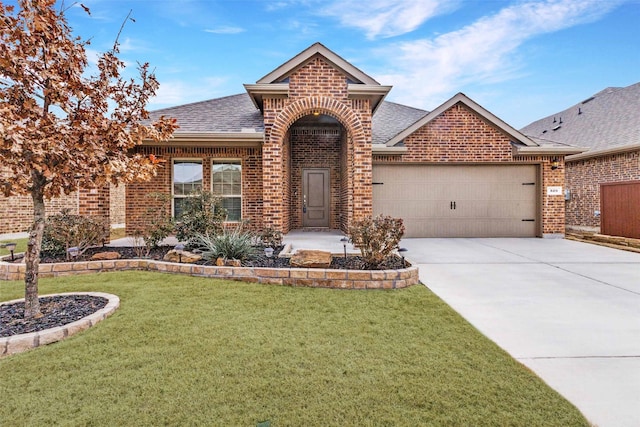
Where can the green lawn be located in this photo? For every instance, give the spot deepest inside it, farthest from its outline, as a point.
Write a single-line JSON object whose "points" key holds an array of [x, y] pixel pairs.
{"points": [[192, 351]]}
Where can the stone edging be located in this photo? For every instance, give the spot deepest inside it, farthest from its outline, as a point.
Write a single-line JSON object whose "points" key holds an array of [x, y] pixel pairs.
{"points": [[23, 342], [311, 277]]}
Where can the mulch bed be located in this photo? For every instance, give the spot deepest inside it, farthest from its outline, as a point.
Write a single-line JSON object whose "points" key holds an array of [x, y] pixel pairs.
{"points": [[56, 310], [339, 262]]}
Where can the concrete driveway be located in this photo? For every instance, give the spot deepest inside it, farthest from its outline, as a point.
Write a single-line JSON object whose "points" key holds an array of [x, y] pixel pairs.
{"points": [[570, 311]]}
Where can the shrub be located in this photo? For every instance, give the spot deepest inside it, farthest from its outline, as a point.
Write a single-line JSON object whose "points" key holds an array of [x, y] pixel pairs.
{"points": [[154, 225], [376, 238], [66, 230], [229, 244], [202, 214]]}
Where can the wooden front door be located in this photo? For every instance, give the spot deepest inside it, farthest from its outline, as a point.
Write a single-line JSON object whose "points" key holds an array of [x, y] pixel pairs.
{"points": [[315, 197]]}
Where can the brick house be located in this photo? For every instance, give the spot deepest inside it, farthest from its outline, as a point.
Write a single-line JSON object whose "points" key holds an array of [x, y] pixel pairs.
{"points": [[17, 211], [313, 144], [602, 183]]}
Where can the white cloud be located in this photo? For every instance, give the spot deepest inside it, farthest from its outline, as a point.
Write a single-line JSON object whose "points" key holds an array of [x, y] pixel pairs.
{"points": [[226, 30], [426, 71], [387, 18], [175, 92]]}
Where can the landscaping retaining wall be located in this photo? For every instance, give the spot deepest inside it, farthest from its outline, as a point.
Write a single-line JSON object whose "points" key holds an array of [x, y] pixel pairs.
{"points": [[310, 277]]}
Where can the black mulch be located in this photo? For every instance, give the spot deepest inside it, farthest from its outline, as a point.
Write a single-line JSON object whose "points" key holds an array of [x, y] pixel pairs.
{"points": [[57, 311], [393, 262]]}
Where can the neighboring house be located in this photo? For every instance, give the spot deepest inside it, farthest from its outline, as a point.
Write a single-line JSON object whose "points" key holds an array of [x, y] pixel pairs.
{"points": [[17, 211], [603, 183], [314, 145]]}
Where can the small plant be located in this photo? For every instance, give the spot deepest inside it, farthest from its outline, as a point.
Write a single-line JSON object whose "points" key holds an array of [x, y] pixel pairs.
{"points": [[269, 238], [229, 244], [154, 225], [376, 238], [66, 230], [202, 214]]}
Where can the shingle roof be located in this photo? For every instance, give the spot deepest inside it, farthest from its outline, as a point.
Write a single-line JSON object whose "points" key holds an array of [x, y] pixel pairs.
{"points": [[608, 119], [236, 113], [390, 119], [229, 114]]}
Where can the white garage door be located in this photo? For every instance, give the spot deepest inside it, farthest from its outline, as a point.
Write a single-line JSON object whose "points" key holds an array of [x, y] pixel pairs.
{"points": [[460, 200]]}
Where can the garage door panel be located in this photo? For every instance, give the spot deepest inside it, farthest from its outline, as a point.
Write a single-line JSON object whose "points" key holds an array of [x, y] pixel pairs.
{"points": [[460, 200]]}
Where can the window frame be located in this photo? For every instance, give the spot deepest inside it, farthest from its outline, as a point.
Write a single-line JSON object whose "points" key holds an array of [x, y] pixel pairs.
{"points": [[230, 160], [183, 196]]}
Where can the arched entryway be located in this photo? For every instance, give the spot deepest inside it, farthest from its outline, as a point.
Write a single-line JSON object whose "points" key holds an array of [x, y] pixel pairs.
{"points": [[319, 149], [316, 146]]}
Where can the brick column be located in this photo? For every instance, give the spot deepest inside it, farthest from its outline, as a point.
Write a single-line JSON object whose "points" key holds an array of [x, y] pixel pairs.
{"points": [[95, 202]]}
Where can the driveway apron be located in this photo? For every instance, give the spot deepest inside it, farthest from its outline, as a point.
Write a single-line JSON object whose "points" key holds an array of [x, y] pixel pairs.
{"points": [[570, 311]]}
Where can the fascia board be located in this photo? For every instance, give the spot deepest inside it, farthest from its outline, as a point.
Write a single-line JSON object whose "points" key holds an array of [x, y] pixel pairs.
{"points": [[604, 152], [377, 93], [258, 91], [245, 139], [375, 149], [546, 151]]}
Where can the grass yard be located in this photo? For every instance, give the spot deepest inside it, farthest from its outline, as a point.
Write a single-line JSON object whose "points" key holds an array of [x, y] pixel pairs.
{"points": [[192, 351]]}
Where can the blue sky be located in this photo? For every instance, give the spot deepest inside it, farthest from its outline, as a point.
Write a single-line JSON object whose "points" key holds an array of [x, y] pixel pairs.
{"points": [[522, 60]]}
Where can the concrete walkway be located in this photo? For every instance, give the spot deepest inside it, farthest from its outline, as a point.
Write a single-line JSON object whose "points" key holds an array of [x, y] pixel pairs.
{"points": [[570, 311]]}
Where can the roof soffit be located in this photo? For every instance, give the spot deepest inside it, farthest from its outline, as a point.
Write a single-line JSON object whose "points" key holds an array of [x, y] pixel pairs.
{"points": [[473, 106]]}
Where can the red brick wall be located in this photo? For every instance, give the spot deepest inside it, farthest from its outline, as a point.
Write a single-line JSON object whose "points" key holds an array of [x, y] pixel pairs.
{"points": [[460, 135], [17, 211], [583, 179], [316, 87], [136, 203]]}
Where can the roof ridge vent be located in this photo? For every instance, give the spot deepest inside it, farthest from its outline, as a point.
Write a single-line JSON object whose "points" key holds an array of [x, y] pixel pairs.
{"points": [[588, 99]]}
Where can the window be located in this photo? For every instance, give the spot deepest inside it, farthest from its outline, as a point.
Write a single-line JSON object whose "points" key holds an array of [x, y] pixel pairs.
{"points": [[226, 178], [187, 179]]}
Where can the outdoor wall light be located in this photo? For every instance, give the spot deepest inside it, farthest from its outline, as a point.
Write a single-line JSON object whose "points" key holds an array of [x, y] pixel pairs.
{"points": [[555, 164], [11, 247]]}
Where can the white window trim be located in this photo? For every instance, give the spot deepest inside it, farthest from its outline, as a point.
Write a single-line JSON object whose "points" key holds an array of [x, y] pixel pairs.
{"points": [[230, 160], [173, 162]]}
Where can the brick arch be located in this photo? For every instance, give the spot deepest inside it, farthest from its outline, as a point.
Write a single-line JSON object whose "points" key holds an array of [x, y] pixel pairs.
{"points": [[356, 193], [317, 104]]}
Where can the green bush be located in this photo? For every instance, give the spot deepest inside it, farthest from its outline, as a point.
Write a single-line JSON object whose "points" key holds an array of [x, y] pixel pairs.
{"points": [[154, 224], [202, 214], [376, 238], [229, 244], [66, 230]]}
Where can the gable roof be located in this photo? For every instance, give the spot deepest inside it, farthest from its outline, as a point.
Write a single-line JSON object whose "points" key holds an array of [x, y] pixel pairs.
{"points": [[359, 84], [353, 73], [608, 120], [475, 107]]}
